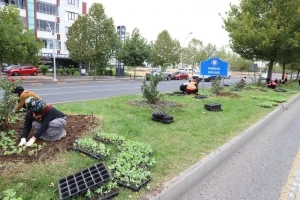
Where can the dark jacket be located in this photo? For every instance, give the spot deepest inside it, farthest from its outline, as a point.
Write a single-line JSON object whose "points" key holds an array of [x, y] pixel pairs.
{"points": [[48, 116]]}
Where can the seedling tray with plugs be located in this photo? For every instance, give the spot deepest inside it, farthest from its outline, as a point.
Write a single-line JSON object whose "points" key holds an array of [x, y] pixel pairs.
{"points": [[78, 183], [85, 152], [133, 186]]}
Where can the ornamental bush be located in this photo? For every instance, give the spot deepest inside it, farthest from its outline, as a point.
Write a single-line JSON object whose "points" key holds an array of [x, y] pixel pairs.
{"points": [[8, 102], [150, 92], [44, 69]]}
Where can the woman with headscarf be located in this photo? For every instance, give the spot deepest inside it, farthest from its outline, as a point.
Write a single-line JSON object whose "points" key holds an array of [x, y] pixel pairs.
{"points": [[48, 122], [23, 95]]}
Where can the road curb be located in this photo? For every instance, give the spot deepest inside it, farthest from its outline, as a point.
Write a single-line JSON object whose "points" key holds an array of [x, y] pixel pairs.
{"points": [[180, 184]]}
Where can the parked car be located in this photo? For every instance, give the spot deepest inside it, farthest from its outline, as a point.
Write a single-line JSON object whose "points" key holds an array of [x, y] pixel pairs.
{"points": [[5, 69], [165, 75], [182, 70], [264, 76], [207, 78], [228, 76], [23, 70], [180, 75]]}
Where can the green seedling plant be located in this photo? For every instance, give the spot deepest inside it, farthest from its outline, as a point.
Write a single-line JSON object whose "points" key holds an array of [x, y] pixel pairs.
{"points": [[91, 146], [132, 164], [110, 138], [270, 98], [107, 188], [267, 104], [7, 143], [9, 194]]}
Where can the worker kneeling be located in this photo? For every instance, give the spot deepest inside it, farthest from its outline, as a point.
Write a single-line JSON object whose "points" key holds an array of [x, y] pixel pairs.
{"points": [[192, 87]]}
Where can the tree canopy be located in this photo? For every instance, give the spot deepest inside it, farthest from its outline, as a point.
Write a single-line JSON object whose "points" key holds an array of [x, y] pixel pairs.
{"points": [[93, 37], [135, 50], [166, 51], [17, 45], [263, 30]]}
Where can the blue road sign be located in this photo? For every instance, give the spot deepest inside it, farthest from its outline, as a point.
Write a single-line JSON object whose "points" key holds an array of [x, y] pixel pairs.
{"points": [[214, 67]]}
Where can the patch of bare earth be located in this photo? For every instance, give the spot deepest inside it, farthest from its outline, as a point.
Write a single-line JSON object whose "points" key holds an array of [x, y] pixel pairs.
{"points": [[77, 126]]}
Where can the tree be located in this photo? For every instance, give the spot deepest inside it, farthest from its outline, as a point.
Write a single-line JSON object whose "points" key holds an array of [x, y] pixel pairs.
{"points": [[211, 50], [262, 30], [17, 45], [194, 53], [77, 39], [135, 50], [166, 50], [95, 38]]}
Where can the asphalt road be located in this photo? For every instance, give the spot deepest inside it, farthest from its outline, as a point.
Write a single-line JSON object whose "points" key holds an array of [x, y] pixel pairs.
{"points": [[52, 92], [258, 170]]}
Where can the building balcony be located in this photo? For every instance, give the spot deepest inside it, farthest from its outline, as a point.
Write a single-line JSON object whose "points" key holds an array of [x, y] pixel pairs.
{"points": [[21, 6]]}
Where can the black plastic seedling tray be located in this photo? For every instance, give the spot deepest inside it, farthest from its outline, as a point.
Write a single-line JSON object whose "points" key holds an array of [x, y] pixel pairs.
{"points": [[78, 183], [95, 156], [213, 107], [159, 114], [134, 187], [107, 196], [200, 96]]}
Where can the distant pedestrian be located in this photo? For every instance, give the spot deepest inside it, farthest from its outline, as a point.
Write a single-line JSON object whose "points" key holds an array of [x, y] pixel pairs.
{"points": [[184, 86]]}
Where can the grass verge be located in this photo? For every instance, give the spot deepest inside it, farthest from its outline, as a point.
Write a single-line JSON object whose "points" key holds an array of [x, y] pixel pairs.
{"points": [[195, 133]]}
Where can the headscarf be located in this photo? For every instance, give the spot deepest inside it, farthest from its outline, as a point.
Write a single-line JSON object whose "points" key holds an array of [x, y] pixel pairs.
{"points": [[37, 107]]}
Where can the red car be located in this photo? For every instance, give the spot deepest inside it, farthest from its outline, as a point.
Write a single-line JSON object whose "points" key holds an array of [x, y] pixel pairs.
{"points": [[23, 70], [180, 75]]}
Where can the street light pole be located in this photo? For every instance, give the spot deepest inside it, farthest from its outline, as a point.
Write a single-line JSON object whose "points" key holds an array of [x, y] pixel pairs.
{"points": [[181, 63], [54, 47]]}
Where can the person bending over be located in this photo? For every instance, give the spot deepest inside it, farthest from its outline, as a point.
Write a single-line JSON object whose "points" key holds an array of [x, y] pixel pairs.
{"points": [[48, 122], [23, 95]]}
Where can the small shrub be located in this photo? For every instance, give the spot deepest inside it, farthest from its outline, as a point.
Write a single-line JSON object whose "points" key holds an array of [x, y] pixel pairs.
{"points": [[216, 86], [76, 73], [61, 71], [150, 92], [72, 71], [259, 82], [44, 69], [91, 73], [67, 71]]}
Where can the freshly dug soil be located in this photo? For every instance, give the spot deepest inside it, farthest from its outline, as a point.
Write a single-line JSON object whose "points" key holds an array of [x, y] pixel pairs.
{"points": [[77, 125]]}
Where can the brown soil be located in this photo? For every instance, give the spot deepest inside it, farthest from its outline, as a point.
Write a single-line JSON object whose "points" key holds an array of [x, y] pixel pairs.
{"points": [[77, 126], [229, 94]]}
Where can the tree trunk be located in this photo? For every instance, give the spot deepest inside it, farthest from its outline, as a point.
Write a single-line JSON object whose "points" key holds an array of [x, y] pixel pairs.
{"points": [[270, 68], [283, 71], [134, 72], [89, 66]]}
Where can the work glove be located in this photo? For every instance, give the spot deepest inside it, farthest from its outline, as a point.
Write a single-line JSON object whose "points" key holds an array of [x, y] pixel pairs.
{"points": [[30, 142], [23, 142]]}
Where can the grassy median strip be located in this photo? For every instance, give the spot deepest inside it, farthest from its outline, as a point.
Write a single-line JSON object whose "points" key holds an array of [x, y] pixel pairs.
{"points": [[194, 133]]}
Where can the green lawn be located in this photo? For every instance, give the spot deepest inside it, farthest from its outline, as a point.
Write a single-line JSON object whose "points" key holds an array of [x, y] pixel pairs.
{"points": [[194, 134]]}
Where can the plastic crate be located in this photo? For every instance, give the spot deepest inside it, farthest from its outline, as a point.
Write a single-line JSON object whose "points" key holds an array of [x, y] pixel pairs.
{"points": [[159, 114], [95, 156], [78, 183], [213, 107]]}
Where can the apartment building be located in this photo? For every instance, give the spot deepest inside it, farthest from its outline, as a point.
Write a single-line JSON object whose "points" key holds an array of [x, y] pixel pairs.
{"points": [[46, 17]]}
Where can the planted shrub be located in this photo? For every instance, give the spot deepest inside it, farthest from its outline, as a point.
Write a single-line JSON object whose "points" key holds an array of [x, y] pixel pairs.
{"points": [[76, 73], [61, 71], [8, 102], [216, 86], [72, 71], [150, 92], [67, 71], [44, 69]]}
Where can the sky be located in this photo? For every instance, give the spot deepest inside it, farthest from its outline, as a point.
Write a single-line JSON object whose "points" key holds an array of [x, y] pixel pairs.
{"points": [[178, 17]]}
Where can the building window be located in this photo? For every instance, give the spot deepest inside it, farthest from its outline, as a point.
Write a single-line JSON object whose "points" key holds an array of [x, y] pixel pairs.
{"points": [[48, 43], [42, 25], [72, 3], [47, 8], [70, 16]]}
